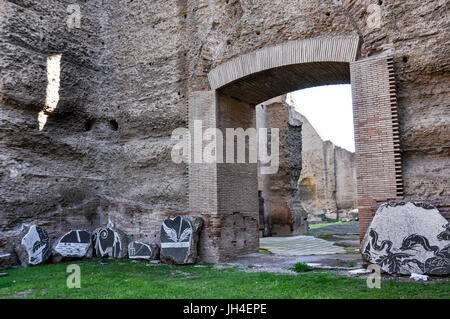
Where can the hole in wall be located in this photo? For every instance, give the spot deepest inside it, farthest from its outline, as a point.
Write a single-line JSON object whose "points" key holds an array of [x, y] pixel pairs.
{"points": [[114, 125], [327, 14], [405, 59], [380, 3], [89, 124]]}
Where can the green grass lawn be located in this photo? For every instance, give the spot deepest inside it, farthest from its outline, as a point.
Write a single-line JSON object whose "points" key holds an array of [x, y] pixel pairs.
{"points": [[127, 279], [316, 226]]}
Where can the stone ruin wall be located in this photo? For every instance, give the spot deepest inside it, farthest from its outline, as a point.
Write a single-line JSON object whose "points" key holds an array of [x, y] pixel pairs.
{"points": [[327, 183], [282, 214], [345, 172], [128, 71], [322, 183]]}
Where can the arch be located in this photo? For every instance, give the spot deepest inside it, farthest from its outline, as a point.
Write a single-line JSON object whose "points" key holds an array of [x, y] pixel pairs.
{"points": [[289, 66], [221, 189]]}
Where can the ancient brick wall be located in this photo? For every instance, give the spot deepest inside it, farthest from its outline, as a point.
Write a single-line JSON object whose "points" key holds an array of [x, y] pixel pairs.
{"points": [[378, 158]]}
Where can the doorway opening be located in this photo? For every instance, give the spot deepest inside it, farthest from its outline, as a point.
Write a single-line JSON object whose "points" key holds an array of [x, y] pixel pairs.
{"points": [[316, 180], [217, 190]]}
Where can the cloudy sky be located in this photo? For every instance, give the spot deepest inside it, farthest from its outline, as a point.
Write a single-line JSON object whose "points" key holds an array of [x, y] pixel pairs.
{"points": [[329, 110]]}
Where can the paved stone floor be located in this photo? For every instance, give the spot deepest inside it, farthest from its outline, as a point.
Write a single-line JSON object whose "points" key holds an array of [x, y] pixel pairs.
{"points": [[299, 246], [339, 249], [347, 260]]}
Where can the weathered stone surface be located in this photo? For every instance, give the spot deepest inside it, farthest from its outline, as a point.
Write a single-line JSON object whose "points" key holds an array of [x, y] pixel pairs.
{"points": [[327, 183], [141, 251], [34, 248], [8, 260], [283, 213], [315, 180], [111, 242], [74, 244], [179, 239], [408, 238]]}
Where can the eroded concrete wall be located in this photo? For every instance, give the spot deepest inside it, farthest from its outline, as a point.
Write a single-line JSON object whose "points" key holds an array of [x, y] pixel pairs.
{"points": [[70, 159]]}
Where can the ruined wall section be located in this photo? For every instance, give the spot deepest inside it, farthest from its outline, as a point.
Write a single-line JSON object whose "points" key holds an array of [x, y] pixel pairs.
{"points": [[327, 183], [148, 92], [127, 72], [280, 217], [412, 33], [316, 182], [67, 160], [422, 73], [345, 170], [283, 215]]}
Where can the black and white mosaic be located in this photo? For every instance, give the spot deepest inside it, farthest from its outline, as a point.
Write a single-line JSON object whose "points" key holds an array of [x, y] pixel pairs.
{"points": [[409, 238], [37, 245], [142, 251], [75, 243], [178, 243], [109, 242]]}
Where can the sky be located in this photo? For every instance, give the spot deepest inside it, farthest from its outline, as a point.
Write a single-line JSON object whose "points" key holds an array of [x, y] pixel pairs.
{"points": [[329, 110]]}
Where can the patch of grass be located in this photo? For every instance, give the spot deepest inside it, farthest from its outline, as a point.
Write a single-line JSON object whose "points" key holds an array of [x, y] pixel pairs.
{"points": [[350, 264], [320, 235], [340, 222], [265, 251], [301, 267], [124, 279]]}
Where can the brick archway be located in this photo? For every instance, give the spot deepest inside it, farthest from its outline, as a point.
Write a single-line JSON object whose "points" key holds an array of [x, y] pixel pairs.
{"points": [[239, 84]]}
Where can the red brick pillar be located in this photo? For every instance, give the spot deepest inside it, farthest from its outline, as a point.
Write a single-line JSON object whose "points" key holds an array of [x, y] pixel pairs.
{"points": [[378, 161]]}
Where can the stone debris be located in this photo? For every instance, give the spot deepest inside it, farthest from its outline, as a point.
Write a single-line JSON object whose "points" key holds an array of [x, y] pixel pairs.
{"points": [[418, 277], [8, 260], [73, 245], [408, 237], [34, 248], [142, 251], [179, 239], [110, 242], [361, 271]]}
